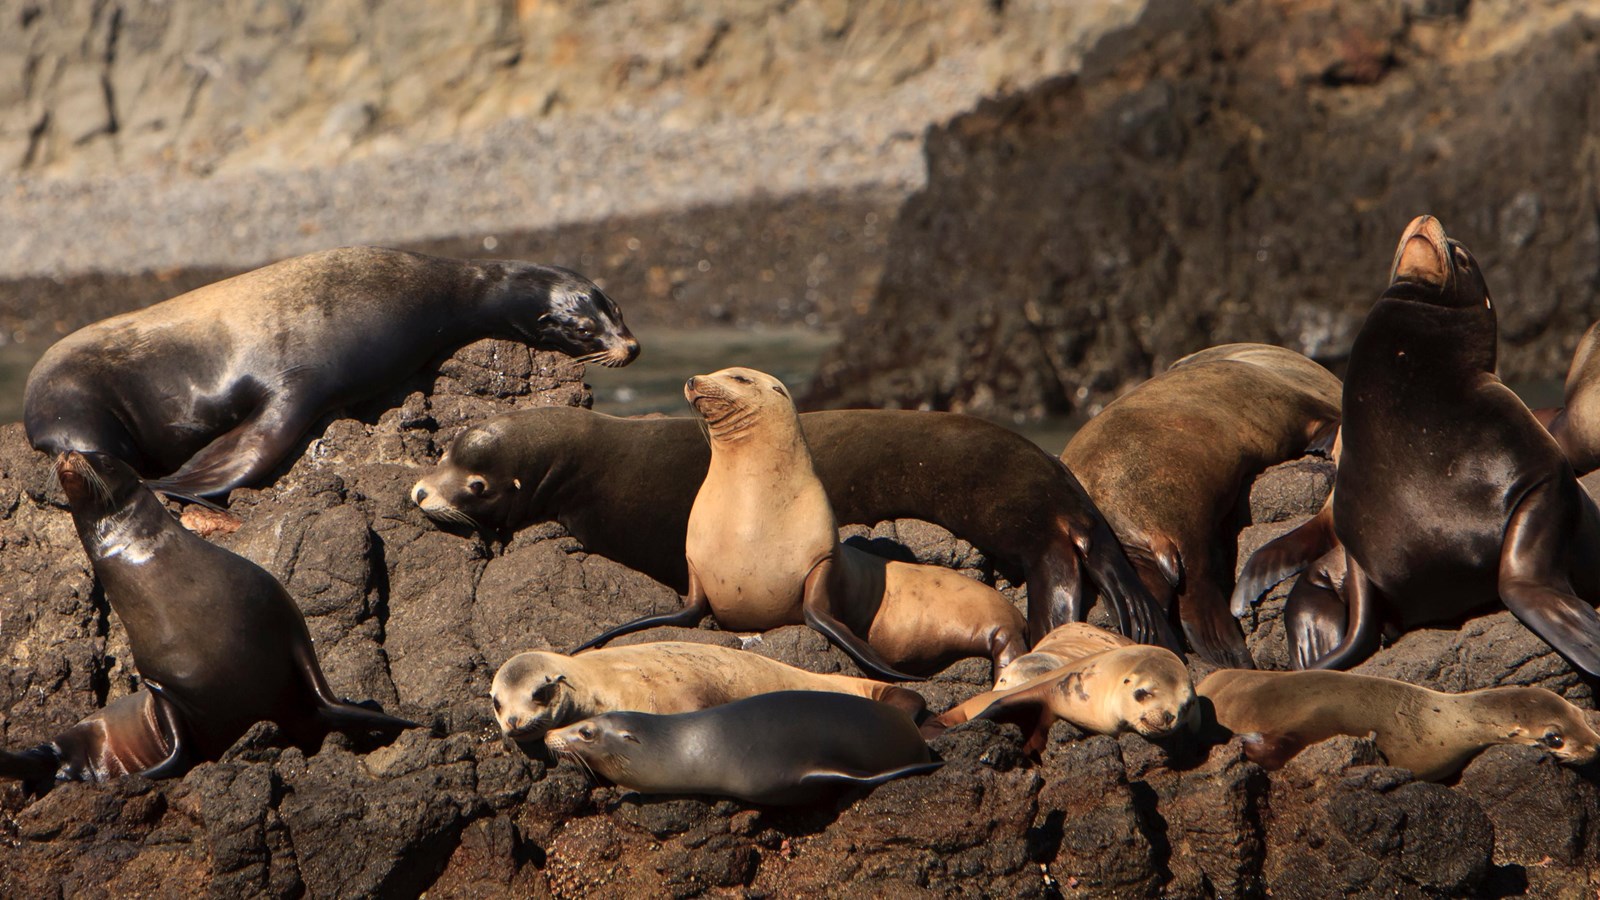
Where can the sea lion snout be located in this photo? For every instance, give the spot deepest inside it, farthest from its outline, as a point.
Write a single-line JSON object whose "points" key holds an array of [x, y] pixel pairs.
{"points": [[1423, 254]]}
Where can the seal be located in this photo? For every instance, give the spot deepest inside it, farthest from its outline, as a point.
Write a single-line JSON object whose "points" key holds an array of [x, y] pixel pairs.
{"points": [[211, 389], [1071, 641], [623, 488], [536, 691], [217, 641], [133, 735], [1576, 426], [1450, 496], [1168, 461], [1146, 690], [784, 748], [1431, 733], [763, 551]]}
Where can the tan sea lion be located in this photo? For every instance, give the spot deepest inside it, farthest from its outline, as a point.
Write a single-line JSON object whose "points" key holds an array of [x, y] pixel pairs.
{"points": [[763, 551], [540, 690], [1061, 647], [1431, 733], [209, 390], [1167, 463], [1142, 689], [783, 748]]}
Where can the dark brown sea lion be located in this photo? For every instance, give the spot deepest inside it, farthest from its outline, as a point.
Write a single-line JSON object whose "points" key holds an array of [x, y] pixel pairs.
{"points": [[1431, 733], [212, 388], [1450, 496], [1167, 462], [624, 487], [217, 641], [787, 747], [134, 735], [763, 551]]}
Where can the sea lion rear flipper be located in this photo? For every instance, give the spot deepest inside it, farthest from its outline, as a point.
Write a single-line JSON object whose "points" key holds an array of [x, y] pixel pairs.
{"points": [[336, 713], [817, 607], [696, 606], [247, 452], [864, 780], [1282, 557], [1362, 628], [1537, 591], [170, 721]]}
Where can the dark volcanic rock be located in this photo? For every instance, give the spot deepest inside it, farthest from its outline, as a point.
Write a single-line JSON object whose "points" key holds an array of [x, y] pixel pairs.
{"points": [[1235, 171]]}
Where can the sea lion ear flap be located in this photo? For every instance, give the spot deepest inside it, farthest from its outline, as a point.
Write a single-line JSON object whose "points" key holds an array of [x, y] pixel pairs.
{"points": [[627, 736], [516, 484]]}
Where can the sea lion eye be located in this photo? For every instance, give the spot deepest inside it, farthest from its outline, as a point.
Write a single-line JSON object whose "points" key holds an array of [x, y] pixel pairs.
{"points": [[1553, 740], [477, 485], [496, 704], [586, 732], [742, 380], [584, 327]]}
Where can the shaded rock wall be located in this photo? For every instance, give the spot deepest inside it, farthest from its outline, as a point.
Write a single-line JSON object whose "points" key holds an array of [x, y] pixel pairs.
{"points": [[418, 619], [1237, 171]]}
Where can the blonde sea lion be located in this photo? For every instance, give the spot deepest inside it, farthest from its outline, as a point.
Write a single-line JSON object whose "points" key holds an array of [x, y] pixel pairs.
{"points": [[539, 690], [1059, 648], [787, 747], [1431, 733], [763, 551]]}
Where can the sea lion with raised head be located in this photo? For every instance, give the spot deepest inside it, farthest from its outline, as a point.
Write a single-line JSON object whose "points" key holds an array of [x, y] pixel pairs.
{"points": [[763, 551], [1145, 690], [1168, 461], [1431, 733], [623, 488], [539, 690], [783, 748], [211, 389], [217, 641], [1450, 496], [1061, 647]]}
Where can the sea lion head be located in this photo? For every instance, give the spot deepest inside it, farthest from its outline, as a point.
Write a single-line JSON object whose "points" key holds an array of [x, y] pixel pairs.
{"points": [[604, 744], [471, 484], [1537, 717], [1151, 691], [1432, 268], [531, 695], [96, 484], [558, 309], [734, 399]]}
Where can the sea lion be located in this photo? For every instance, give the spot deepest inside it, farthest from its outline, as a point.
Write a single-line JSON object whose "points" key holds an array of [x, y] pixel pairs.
{"points": [[1288, 554], [1167, 462], [539, 690], [1450, 495], [133, 735], [1431, 733], [782, 748], [763, 551], [1141, 689], [217, 641], [1576, 426], [212, 388], [623, 488], [1070, 642]]}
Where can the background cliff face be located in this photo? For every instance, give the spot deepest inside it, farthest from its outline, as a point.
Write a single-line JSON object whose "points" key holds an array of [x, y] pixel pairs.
{"points": [[1238, 171]]}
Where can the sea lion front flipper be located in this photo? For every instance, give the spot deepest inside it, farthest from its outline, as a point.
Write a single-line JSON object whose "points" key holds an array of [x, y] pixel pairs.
{"points": [[1139, 615], [856, 778], [817, 607], [247, 452], [1271, 751], [336, 713], [1282, 557], [35, 767], [1027, 708], [696, 606], [1212, 632], [1535, 587], [1315, 615], [1362, 629], [1324, 440]]}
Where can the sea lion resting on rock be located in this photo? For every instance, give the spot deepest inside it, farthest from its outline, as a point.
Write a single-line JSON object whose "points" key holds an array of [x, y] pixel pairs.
{"points": [[1060, 648], [1431, 733], [1450, 496], [783, 748], [539, 690], [763, 551], [217, 641], [212, 388], [624, 487], [1168, 460], [1141, 689]]}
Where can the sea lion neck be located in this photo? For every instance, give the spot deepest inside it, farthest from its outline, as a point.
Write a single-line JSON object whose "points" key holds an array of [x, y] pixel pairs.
{"points": [[1441, 344]]}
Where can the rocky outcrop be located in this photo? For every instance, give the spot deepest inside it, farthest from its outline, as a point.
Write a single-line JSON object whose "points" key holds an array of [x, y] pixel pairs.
{"points": [[418, 618], [1237, 171]]}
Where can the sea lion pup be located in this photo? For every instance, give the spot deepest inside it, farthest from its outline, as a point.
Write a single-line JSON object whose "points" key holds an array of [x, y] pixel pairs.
{"points": [[133, 735], [1576, 426], [212, 388], [1431, 733], [217, 641], [1140, 689], [783, 748], [623, 488], [1450, 495], [1168, 461], [763, 551], [1070, 642], [539, 690]]}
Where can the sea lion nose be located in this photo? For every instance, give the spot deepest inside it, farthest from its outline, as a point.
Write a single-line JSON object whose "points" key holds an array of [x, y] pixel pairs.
{"points": [[512, 722], [631, 348], [689, 385], [419, 494]]}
